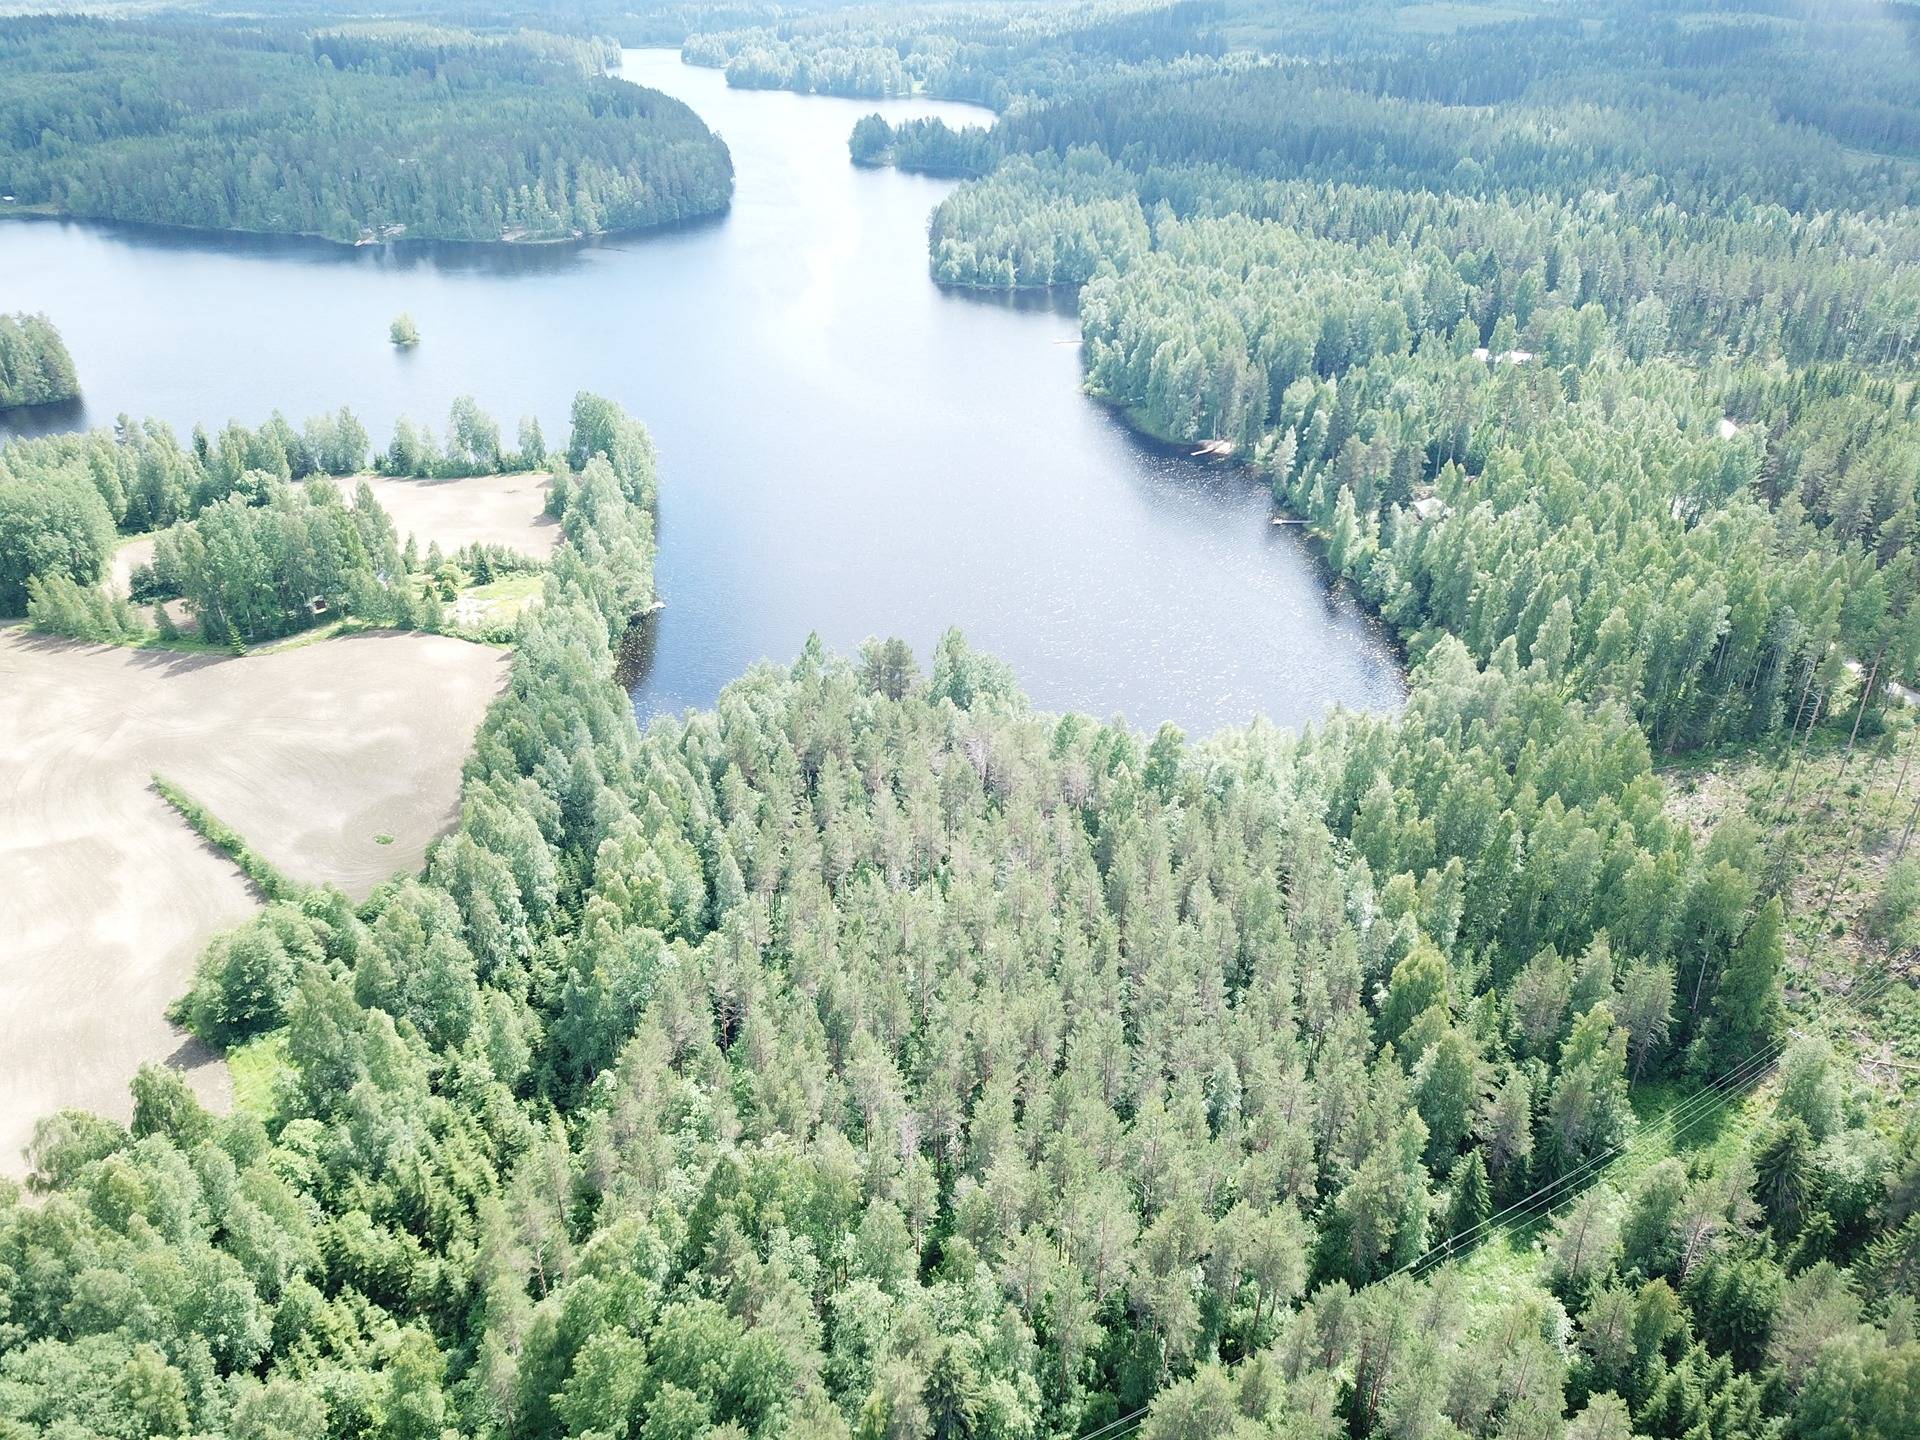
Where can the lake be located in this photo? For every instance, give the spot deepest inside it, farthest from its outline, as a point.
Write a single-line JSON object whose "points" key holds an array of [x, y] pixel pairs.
{"points": [[845, 448]]}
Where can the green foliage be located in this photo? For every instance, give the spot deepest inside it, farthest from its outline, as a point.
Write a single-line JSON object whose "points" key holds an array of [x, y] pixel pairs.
{"points": [[986, 53], [874, 1055], [53, 527], [1744, 1013], [35, 368], [1895, 916], [1039, 221], [58, 606], [252, 572], [272, 884], [164, 1105], [403, 332], [930, 147], [874, 1052], [871, 141], [357, 133]]}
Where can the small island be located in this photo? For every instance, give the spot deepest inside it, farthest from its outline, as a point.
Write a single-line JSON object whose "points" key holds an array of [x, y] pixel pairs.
{"points": [[924, 146], [403, 332]]}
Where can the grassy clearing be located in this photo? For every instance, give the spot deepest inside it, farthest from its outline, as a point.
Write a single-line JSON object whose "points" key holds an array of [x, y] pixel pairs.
{"points": [[490, 611], [1673, 1119], [256, 1068]]}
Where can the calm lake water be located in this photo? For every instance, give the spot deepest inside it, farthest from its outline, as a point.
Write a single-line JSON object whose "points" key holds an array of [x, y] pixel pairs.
{"points": [[845, 447]]}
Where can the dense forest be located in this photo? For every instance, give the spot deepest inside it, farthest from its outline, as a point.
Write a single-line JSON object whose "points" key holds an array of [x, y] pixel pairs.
{"points": [[1669, 408], [35, 368], [989, 53], [627, 22], [930, 147], [876, 1057], [354, 132]]}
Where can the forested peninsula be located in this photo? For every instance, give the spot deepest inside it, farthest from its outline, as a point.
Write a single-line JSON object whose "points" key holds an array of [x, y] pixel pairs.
{"points": [[35, 368], [252, 528], [354, 132]]}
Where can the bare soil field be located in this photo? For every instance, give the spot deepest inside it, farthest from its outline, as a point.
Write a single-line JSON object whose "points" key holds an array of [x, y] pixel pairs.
{"points": [[507, 510], [312, 753]]}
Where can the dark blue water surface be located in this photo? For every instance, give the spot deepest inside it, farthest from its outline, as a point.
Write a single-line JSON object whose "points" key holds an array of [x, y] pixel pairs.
{"points": [[845, 447]]}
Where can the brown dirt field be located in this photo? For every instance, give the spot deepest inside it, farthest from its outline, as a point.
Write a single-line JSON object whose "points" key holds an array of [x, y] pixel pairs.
{"points": [[486, 509], [309, 752]]}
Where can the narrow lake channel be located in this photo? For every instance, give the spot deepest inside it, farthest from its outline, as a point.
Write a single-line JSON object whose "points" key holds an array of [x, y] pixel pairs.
{"points": [[845, 447]]}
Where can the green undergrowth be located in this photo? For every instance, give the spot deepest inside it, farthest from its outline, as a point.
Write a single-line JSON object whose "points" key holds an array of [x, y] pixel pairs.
{"points": [[256, 1068]]}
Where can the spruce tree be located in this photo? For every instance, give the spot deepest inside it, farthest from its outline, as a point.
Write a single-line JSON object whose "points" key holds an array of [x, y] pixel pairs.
{"points": [[1469, 1200]]}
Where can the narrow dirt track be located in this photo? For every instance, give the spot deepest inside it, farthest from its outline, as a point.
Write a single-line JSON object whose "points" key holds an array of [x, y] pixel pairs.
{"points": [[107, 897]]}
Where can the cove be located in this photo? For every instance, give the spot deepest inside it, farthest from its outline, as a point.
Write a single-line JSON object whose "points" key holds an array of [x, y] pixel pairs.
{"points": [[845, 448]]}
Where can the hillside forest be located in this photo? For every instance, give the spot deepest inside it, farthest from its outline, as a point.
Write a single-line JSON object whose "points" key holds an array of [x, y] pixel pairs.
{"points": [[354, 132]]}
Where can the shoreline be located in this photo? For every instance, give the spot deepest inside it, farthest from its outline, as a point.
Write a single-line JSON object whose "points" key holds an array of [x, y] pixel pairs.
{"points": [[41, 215]]}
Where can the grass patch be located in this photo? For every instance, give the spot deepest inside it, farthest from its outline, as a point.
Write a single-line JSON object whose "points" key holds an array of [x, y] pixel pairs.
{"points": [[313, 635], [185, 644], [491, 611], [216, 832], [256, 1068], [1672, 1119]]}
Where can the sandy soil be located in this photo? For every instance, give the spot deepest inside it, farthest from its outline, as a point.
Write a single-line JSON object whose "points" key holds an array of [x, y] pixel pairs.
{"points": [[311, 753], [507, 510], [128, 558], [486, 509]]}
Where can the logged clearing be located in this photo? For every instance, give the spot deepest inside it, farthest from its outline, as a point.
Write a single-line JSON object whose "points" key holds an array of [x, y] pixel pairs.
{"points": [[312, 753], [507, 510], [1832, 826]]}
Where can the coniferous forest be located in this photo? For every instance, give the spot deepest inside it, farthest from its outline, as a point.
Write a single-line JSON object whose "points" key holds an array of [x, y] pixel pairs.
{"points": [[875, 1057], [351, 132]]}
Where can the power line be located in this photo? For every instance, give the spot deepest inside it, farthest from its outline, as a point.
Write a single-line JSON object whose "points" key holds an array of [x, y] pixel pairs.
{"points": [[1716, 1095], [1111, 1425], [1700, 1102]]}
